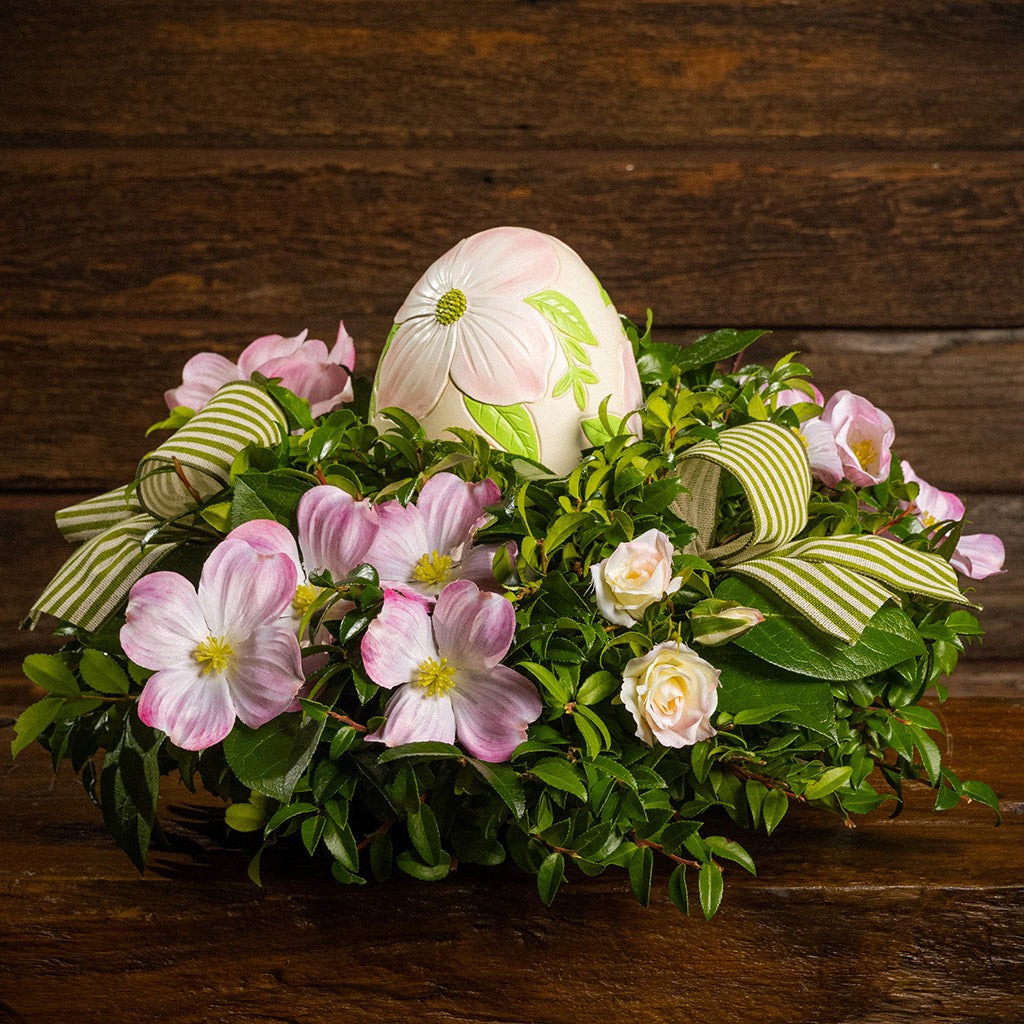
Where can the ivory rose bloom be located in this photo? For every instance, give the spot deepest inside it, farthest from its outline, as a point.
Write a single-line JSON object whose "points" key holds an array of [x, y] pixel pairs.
{"points": [[672, 693], [633, 577]]}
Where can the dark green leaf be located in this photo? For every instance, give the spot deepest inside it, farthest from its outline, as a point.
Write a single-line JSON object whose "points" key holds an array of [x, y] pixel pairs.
{"points": [[550, 876], [50, 672], [557, 772], [504, 779], [424, 833], [774, 808], [748, 685], [641, 868], [272, 758], [789, 641], [103, 674], [731, 850], [677, 889], [412, 865], [425, 748], [32, 721], [710, 885]]}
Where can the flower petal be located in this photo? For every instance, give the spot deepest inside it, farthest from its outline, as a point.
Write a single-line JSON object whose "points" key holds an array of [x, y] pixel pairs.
{"points": [[492, 711], [400, 542], [268, 536], [474, 629], [195, 710], [202, 376], [478, 564], [504, 261], [336, 532], [979, 555], [453, 509], [344, 351], [414, 369], [164, 621], [504, 351], [262, 350], [244, 586], [265, 675], [398, 641], [412, 716]]}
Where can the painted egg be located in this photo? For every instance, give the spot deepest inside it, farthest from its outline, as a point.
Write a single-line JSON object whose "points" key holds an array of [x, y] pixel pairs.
{"points": [[511, 335]]}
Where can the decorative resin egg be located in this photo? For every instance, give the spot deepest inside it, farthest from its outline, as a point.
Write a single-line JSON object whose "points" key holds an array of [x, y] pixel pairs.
{"points": [[511, 335]]}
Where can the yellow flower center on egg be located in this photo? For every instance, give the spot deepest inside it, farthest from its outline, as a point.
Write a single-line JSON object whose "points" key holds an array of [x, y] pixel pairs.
{"points": [[432, 570], [865, 451], [305, 595], [450, 307], [213, 654], [436, 677]]}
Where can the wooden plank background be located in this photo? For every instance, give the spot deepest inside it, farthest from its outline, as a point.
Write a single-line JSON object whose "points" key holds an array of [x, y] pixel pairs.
{"points": [[187, 175], [182, 176]]}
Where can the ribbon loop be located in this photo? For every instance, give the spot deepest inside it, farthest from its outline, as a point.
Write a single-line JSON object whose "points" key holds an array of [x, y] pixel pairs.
{"points": [[839, 582], [115, 529]]}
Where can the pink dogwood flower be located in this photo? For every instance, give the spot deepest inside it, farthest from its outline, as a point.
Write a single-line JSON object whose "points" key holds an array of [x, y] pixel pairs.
{"points": [[221, 651], [466, 320], [822, 451], [446, 673], [977, 555], [303, 365], [863, 435], [422, 547]]}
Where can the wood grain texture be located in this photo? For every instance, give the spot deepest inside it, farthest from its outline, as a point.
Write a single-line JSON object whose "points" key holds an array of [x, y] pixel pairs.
{"points": [[770, 74], [915, 918], [868, 240], [81, 395]]}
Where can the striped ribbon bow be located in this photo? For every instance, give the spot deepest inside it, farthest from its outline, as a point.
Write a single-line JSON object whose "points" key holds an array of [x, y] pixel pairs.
{"points": [[836, 582], [114, 529]]}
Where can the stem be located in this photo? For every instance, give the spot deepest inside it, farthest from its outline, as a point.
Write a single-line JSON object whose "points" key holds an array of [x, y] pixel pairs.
{"points": [[347, 721], [193, 493]]}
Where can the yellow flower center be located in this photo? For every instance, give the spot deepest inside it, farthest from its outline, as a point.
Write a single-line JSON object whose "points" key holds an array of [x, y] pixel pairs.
{"points": [[927, 519], [450, 307], [433, 569], [305, 595], [437, 678], [800, 435], [213, 654], [865, 451]]}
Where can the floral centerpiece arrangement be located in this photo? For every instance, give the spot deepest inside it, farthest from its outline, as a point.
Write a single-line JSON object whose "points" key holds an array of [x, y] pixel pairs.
{"points": [[402, 647]]}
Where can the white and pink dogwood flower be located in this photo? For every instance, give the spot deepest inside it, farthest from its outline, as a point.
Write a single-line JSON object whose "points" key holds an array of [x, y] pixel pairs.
{"points": [[466, 320], [304, 366], [977, 555], [220, 652], [424, 546], [446, 673]]}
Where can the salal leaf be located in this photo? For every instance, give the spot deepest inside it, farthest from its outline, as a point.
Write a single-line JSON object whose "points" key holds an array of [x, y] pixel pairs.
{"points": [[272, 758], [789, 641]]}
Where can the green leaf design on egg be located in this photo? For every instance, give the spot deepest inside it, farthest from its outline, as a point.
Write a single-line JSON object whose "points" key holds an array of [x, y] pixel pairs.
{"points": [[511, 426]]}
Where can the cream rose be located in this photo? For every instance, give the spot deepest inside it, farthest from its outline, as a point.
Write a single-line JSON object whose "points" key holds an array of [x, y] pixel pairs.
{"points": [[672, 693], [633, 577]]}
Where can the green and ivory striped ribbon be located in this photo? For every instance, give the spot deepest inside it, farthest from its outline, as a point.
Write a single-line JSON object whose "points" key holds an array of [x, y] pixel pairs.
{"points": [[771, 465], [115, 529], [204, 448], [839, 582]]}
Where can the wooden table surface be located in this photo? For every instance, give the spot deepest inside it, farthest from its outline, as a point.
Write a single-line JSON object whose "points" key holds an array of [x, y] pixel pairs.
{"points": [[917, 918]]}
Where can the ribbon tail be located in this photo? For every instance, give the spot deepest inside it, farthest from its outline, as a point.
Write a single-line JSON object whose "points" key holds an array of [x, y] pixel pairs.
{"points": [[98, 576]]}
